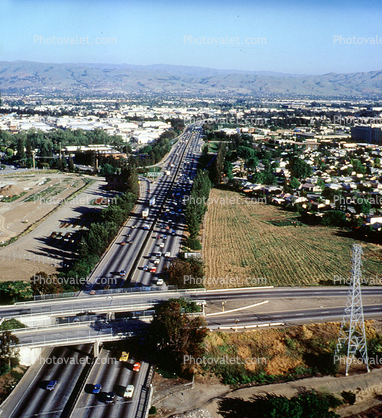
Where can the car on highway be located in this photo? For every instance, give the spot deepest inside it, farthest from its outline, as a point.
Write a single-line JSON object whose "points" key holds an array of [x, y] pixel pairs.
{"points": [[157, 261], [159, 282], [167, 254], [97, 388], [173, 232], [158, 254], [136, 367], [153, 270], [122, 272], [161, 245], [145, 268], [109, 397], [145, 227], [123, 243], [129, 391], [124, 356], [51, 385]]}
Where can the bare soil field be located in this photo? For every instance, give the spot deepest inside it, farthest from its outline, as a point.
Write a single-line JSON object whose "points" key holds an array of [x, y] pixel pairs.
{"points": [[243, 240], [39, 194], [53, 204]]}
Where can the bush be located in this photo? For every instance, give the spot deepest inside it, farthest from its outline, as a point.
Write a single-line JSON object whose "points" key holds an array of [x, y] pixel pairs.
{"points": [[11, 324], [193, 243], [153, 410], [349, 397]]}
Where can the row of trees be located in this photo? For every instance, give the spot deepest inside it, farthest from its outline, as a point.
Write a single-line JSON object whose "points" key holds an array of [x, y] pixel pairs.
{"points": [[49, 143], [105, 226], [100, 233], [197, 203], [308, 404], [153, 153]]}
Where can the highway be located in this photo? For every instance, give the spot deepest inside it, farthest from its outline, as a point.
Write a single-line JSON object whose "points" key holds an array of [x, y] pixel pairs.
{"points": [[114, 376], [137, 239], [129, 300], [36, 400], [295, 317]]}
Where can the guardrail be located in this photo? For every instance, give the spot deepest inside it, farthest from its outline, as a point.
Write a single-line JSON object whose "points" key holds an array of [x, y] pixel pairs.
{"points": [[121, 291], [69, 339], [90, 308], [113, 292], [105, 323]]}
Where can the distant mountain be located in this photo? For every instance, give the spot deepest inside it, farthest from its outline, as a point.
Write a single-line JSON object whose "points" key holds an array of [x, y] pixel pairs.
{"points": [[32, 77]]}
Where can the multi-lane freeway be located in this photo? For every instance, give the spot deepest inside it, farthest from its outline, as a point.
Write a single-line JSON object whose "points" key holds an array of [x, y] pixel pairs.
{"points": [[145, 244]]}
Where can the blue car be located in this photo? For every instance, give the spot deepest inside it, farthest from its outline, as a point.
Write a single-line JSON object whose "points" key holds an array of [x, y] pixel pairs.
{"points": [[51, 385], [97, 388]]}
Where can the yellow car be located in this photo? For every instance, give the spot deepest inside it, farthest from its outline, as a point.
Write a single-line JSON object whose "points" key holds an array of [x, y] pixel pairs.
{"points": [[124, 356]]}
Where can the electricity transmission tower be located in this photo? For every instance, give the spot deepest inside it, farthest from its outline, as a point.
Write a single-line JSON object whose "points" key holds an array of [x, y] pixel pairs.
{"points": [[352, 333]]}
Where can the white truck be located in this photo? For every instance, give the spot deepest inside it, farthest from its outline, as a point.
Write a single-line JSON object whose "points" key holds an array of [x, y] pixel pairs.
{"points": [[152, 201], [167, 172], [145, 213]]}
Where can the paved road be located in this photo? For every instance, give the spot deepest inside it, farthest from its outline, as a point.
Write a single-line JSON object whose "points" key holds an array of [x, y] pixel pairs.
{"points": [[114, 376], [92, 303], [65, 364]]}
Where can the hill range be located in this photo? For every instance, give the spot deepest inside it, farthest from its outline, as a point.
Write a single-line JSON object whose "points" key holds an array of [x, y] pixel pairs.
{"points": [[24, 77]]}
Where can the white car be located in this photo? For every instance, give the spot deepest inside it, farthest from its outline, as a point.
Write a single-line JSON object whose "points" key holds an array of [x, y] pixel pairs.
{"points": [[159, 282], [161, 244], [157, 261], [129, 391], [167, 254]]}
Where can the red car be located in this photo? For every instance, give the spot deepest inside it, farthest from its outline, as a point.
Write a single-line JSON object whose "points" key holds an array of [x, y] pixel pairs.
{"points": [[137, 367], [153, 270]]}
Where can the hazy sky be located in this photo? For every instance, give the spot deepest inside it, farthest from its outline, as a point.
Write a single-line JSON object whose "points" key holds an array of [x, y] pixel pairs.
{"points": [[303, 37]]}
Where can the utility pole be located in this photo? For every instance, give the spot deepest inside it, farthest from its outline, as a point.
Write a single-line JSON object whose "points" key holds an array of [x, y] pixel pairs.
{"points": [[352, 333]]}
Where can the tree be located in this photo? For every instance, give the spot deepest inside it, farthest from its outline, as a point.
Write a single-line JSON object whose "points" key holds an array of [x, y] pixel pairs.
{"points": [[321, 183], [21, 150], [107, 170], [334, 218], [362, 206], [8, 351], [358, 167], [71, 164], [129, 178], [14, 291], [294, 183], [307, 404], [175, 334], [299, 168], [185, 273], [42, 284], [218, 165]]}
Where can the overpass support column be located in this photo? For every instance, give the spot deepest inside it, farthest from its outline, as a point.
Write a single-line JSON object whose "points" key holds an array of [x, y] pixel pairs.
{"points": [[110, 316], [96, 348]]}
